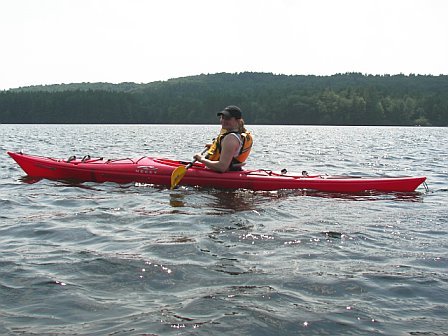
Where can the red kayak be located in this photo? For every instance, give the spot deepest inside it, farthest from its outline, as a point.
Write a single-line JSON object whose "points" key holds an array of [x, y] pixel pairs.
{"points": [[158, 172]]}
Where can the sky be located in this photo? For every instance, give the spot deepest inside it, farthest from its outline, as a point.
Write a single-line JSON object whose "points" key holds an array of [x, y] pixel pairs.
{"points": [[71, 41]]}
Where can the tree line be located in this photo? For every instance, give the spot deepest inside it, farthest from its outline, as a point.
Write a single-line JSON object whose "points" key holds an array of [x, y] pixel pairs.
{"points": [[265, 98]]}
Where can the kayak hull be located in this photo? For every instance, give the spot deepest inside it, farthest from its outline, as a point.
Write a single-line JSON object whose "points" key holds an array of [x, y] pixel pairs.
{"points": [[158, 172]]}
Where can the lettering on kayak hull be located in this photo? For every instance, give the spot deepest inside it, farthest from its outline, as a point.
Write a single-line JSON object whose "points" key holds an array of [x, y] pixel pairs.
{"points": [[146, 170]]}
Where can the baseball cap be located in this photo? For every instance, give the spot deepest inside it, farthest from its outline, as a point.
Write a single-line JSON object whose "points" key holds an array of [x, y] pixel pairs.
{"points": [[231, 111]]}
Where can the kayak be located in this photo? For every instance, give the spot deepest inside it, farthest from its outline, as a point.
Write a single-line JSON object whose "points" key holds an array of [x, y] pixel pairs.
{"points": [[157, 171]]}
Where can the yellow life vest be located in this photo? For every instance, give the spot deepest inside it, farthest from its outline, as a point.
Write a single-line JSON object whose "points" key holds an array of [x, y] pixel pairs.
{"points": [[214, 151]]}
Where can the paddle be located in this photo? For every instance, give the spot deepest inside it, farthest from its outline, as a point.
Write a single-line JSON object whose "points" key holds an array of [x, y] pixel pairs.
{"points": [[180, 172]]}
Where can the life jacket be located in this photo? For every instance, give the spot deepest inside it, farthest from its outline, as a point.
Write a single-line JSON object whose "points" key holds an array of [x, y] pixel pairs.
{"points": [[214, 151]]}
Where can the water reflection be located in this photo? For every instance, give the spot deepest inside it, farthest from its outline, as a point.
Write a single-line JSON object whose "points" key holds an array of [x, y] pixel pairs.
{"points": [[29, 180], [372, 196], [236, 200], [361, 196], [177, 200], [248, 200]]}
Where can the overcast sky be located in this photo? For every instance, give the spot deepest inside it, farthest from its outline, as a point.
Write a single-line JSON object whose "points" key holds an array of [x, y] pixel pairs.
{"points": [[68, 41]]}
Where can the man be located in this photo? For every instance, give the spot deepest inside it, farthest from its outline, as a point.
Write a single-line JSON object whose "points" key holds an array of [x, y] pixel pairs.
{"points": [[231, 148]]}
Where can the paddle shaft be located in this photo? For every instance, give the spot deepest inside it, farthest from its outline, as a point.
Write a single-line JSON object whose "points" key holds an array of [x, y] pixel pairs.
{"points": [[193, 162]]}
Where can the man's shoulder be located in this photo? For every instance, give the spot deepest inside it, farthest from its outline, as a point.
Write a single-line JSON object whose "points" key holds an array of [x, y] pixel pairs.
{"points": [[232, 136], [232, 139]]}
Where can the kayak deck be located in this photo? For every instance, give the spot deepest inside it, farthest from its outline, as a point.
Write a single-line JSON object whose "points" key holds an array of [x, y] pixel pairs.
{"points": [[158, 171]]}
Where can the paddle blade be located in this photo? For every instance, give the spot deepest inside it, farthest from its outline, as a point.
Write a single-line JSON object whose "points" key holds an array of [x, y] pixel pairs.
{"points": [[177, 175]]}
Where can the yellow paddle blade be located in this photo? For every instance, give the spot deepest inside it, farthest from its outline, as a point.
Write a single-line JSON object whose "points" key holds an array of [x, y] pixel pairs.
{"points": [[177, 175]]}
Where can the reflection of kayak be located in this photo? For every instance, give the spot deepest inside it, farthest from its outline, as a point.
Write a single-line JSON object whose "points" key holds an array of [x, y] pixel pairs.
{"points": [[158, 172]]}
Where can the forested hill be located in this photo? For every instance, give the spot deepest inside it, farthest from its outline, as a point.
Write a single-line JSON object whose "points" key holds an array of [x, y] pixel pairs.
{"points": [[342, 99]]}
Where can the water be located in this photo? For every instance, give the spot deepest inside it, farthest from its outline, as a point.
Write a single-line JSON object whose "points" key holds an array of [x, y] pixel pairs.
{"points": [[135, 259]]}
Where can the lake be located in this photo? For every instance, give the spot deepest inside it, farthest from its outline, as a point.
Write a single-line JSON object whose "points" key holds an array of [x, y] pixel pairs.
{"points": [[135, 259]]}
